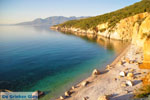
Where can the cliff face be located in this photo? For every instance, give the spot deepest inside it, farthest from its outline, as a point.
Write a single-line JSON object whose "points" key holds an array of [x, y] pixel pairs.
{"points": [[141, 32], [125, 29]]}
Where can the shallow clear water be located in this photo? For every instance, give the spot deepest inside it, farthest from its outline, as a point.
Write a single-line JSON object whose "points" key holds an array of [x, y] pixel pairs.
{"points": [[37, 58]]}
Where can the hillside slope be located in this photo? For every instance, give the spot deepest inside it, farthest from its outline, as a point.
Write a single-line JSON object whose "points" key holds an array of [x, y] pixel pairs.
{"points": [[116, 25]]}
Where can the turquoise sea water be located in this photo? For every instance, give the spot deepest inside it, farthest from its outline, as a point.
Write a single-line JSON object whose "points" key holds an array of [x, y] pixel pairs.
{"points": [[37, 58]]}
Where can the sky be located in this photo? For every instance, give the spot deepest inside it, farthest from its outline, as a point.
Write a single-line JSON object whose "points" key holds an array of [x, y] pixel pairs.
{"points": [[15, 11]]}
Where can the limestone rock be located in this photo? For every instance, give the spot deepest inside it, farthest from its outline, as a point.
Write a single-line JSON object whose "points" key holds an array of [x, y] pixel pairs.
{"points": [[73, 87], [127, 60], [120, 63], [130, 76], [62, 98], [131, 70], [123, 85], [105, 97], [38, 93], [129, 83], [95, 72], [84, 83], [141, 32], [67, 93], [85, 98], [126, 68], [122, 74], [131, 62], [108, 67]]}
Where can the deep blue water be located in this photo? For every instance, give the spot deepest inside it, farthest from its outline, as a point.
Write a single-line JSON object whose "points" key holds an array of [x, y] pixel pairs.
{"points": [[37, 58]]}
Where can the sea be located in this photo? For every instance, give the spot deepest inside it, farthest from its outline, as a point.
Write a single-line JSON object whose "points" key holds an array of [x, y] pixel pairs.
{"points": [[37, 58]]}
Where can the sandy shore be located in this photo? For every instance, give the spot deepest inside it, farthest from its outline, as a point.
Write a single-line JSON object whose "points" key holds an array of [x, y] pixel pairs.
{"points": [[109, 82]]}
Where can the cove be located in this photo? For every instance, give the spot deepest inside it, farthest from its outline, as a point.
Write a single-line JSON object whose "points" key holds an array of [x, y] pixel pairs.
{"points": [[37, 58]]}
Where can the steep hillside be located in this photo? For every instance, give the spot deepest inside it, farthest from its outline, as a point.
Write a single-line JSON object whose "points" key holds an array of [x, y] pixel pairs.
{"points": [[112, 18], [116, 25]]}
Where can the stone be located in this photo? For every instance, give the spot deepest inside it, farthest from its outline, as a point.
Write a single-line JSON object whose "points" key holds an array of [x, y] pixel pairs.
{"points": [[127, 60], [123, 85], [73, 87], [131, 70], [62, 98], [131, 62], [67, 93], [126, 68], [120, 63], [115, 79], [95, 72], [84, 98], [39, 93], [5, 90], [130, 76], [108, 67], [126, 91], [122, 74], [84, 83], [105, 97], [129, 83]]}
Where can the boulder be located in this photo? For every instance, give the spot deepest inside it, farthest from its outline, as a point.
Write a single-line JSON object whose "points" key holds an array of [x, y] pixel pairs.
{"points": [[67, 93], [5, 90], [84, 83], [61, 98], [126, 68], [123, 74], [73, 87], [131, 70], [85, 98], [131, 62], [95, 72], [105, 97], [127, 60], [108, 67], [129, 83], [130, 76], [120, 63], [123, 85], [39, 93]]}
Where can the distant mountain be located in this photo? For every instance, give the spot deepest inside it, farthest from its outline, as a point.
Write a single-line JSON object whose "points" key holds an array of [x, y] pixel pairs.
{"points": [[50, 21]]}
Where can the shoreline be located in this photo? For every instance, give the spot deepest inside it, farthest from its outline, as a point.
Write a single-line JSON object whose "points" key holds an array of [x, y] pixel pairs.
{"points": [[96, 82]]}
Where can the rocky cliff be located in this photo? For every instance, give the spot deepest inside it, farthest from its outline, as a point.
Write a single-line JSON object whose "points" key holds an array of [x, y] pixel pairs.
{"points": [[141, 31], [125, 29]]}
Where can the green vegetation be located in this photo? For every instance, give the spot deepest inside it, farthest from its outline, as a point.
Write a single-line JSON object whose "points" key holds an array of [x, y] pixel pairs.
{"points": [[112, 18]]}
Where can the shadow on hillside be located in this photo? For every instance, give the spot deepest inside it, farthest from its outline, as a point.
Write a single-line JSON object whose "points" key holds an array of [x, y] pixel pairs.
{"points": [[122, 97]]}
